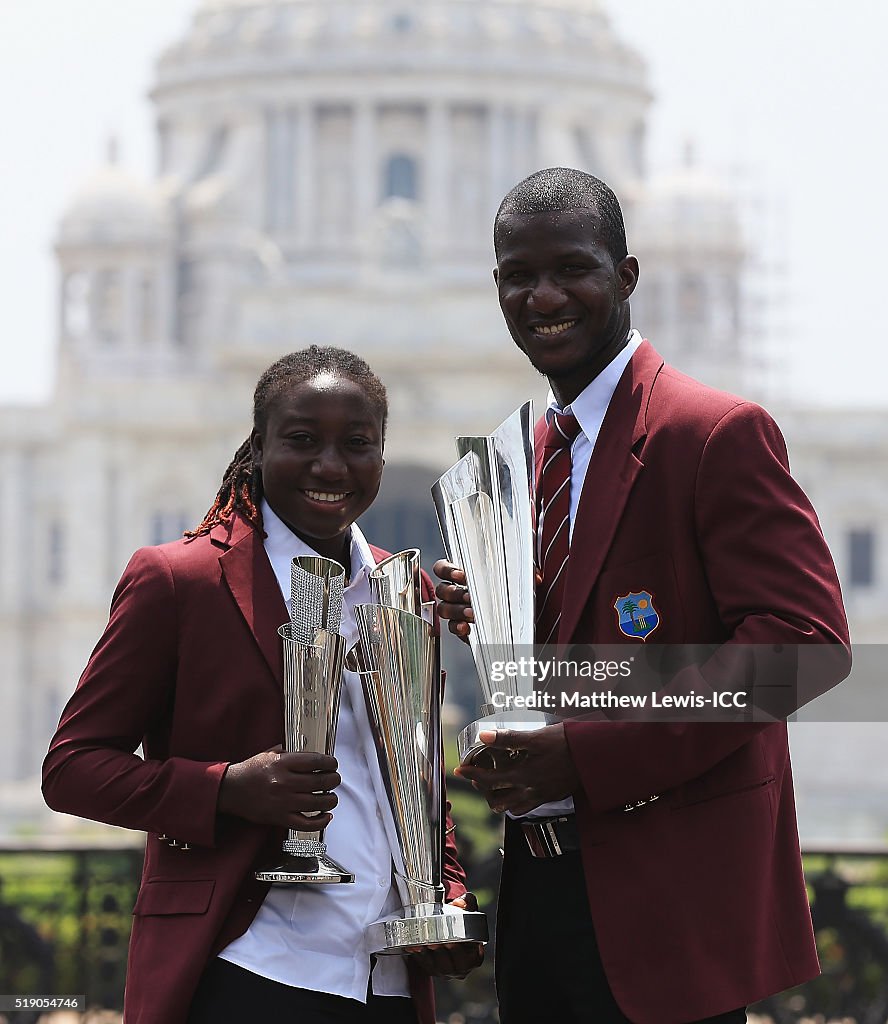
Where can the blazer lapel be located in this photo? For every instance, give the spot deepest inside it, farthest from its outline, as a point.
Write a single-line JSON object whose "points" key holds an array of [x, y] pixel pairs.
{"points": [[612, 472], [251, 580]]}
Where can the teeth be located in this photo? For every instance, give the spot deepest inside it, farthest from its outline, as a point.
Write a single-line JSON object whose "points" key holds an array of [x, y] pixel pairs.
{"points": [[326, 495], [565, 325]]}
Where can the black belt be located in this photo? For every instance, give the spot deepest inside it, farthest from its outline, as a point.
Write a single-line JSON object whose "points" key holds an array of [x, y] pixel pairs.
{"points": [[551, 837]]}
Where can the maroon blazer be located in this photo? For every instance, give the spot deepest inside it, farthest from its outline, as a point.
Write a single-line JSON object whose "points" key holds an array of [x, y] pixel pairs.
{"points": [[190, 666], [698, 898]]}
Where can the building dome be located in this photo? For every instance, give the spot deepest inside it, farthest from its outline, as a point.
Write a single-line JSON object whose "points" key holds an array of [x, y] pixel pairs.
{"points": [[305, 119], [564, 38], [688, 208], [112, 205]]}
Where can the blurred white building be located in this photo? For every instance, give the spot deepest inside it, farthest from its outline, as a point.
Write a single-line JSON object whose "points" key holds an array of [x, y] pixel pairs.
{"points": [[328, 171]]}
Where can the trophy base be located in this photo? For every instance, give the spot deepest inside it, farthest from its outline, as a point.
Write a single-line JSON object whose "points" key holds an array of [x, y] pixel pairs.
{"points": [[321, 870], [428, 924], [473, 751]]}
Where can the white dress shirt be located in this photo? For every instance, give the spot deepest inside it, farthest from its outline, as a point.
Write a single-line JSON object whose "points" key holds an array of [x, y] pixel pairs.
{"points": [[312, 936], [589, 407]]}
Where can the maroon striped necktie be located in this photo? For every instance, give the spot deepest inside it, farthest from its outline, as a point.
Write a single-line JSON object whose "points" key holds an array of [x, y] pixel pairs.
{"points": [[553, 523]]}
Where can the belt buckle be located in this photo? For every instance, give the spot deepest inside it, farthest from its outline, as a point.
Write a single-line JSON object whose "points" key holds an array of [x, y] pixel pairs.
{"points": [[542, 839]]}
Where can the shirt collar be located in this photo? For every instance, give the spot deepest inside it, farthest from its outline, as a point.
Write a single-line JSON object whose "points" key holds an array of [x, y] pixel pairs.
{"points": [[281, 544], [591, 403]]}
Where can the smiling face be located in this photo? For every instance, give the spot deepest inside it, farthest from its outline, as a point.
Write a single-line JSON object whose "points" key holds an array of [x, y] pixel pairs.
{"points": [[564, 299], [320, 452]]}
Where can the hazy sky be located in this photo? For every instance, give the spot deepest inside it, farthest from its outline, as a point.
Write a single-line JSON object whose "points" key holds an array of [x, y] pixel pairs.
{"points": [[790, 94]]}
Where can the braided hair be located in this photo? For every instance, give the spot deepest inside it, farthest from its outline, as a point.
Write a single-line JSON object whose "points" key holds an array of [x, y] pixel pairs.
{"points": [[241, 489]]}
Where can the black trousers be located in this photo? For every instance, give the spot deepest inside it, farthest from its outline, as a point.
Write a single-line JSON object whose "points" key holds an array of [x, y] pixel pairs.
{"points": [[228, 994], [559, 976]]}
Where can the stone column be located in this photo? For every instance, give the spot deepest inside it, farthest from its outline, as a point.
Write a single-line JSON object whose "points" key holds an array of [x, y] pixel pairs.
{"points": [[21, 573], [438, 193], [306, 170], [130, 307], [365, 165], [497, 158], [269, 159]]}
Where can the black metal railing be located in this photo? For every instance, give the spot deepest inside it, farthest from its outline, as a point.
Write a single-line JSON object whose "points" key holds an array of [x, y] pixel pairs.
{"points": [[65, 916], [848, 888]]}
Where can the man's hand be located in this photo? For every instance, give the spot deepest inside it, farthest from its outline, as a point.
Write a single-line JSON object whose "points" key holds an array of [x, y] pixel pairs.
{"points": [[541, 769], [452, 959], [454, 602], [273, 788]]}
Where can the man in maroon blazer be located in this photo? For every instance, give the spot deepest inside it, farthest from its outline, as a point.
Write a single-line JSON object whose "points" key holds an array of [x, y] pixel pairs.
{"points": [[652, 871]]}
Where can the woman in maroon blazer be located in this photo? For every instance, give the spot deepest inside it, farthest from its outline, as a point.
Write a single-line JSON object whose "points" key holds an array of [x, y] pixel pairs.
{"points": [[190, 667]]}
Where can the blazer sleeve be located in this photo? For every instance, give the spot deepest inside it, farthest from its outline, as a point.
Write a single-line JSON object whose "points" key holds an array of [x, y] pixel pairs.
{"points": [[776, 593], [126, 694], [769, 568]]}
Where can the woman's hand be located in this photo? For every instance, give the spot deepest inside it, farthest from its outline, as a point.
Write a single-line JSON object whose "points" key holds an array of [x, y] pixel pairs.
{"points": [[287, 790]]}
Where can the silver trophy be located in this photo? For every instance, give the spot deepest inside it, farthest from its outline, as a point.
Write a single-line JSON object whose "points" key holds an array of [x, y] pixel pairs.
{"points": [[314, 655], [399, 660], [485, 507]]}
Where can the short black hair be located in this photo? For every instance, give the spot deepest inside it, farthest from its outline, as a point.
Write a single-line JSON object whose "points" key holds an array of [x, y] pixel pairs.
{"points": [[558, 189]]}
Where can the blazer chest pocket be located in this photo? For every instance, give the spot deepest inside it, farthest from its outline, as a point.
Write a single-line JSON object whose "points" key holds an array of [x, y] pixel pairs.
{"points": [[639, 600], [174, 896]]}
